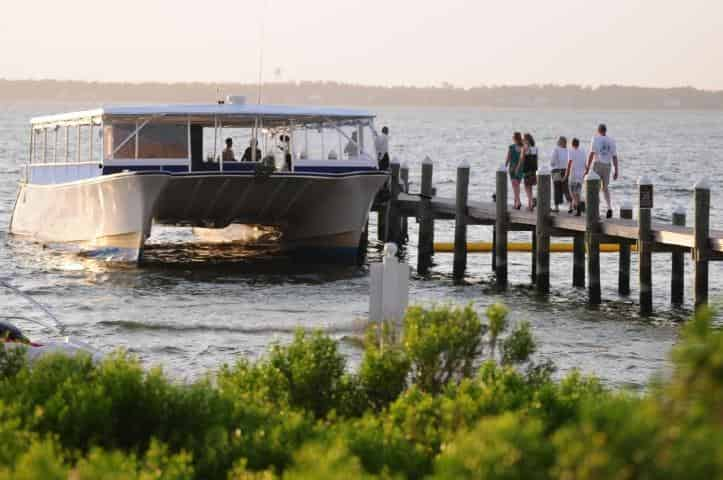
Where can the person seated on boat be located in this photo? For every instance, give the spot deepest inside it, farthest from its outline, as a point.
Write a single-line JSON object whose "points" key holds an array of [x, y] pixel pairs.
{"points": [[228, 155], [248, 155], [352, 148]]}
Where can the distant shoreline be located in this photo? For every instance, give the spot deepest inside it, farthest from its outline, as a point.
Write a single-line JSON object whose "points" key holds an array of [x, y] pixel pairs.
{"points": [[331, 93]]}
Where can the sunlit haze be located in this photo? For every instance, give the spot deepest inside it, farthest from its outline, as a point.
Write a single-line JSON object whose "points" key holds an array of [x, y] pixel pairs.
{"points": [[465, 43]]}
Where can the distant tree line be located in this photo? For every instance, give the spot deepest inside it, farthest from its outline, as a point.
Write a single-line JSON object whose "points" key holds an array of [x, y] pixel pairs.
{"points": [[334, 93]]}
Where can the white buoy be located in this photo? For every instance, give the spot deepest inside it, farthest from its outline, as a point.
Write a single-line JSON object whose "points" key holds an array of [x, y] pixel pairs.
{"points": [[389, 287]]}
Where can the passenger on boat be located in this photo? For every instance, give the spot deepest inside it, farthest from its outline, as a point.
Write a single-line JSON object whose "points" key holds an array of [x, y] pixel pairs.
{"points": [[285, 147], [248, 153], [381, 145], [352, 148], [228, 155]]}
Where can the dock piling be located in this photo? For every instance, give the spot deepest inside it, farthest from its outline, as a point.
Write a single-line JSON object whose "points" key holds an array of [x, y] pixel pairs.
{"points": [[460, 222], [677, 272], [393, 223], [626, 212], [542, 231], [404, 178], [578, 261], [702, 247], [501, 228], [592, 235], [645, 244], [425, 243]]}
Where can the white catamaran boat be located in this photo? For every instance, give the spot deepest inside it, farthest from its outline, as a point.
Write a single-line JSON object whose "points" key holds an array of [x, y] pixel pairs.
{"points": [[102, 178]]}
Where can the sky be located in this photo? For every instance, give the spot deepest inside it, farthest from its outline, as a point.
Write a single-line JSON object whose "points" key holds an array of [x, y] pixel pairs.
{"points": [[658, 43]]}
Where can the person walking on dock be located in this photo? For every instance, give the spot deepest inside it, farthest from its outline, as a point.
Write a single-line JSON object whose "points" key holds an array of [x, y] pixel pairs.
{"points": [[528, 167], [514, 154], [575, 174], [603, 152], [558, 165]]}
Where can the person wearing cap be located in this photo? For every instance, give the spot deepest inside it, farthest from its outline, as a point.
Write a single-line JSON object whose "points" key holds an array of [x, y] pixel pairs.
{"points": [[381, 145], [603, 154]]}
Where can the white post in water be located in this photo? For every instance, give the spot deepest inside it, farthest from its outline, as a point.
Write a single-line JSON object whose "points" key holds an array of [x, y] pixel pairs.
{"points": [[389, 287]]}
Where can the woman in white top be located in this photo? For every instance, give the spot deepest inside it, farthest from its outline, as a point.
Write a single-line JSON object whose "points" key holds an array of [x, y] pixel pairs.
{"points": [[558, 165]]}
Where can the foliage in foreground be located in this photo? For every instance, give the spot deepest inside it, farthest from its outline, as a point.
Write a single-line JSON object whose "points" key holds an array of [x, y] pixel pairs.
{"points": [[454, 397]]}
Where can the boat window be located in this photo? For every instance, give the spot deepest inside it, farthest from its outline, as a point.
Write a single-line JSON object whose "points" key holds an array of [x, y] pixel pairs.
{"points": [[158, 140], [114, 135], [155, 140]]}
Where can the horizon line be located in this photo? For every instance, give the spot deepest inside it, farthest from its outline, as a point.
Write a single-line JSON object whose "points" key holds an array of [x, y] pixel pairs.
{"points": [[442, 85]]}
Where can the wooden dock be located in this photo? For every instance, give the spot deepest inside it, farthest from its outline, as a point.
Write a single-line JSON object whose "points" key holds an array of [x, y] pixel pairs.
{"points": [[587, 232]]}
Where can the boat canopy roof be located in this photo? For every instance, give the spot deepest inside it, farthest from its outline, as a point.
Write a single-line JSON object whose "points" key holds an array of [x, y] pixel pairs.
{"points": [[229, 114]]}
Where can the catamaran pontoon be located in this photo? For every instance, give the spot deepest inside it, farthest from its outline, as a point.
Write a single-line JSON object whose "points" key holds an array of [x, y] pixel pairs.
{"points": [[101, 178]]}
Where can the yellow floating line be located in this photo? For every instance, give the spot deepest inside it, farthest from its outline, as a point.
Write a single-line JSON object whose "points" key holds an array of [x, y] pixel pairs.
{"points": [[481, 247]]}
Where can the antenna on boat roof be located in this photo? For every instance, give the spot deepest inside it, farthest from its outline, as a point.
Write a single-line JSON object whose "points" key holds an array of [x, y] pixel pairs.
{"points": [[261, 51]]}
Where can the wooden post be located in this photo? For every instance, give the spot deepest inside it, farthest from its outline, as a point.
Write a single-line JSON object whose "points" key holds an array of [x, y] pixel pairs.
{"points": [[382, 222], [460, 222], [677, 271], [578, 261], [592, 235], [393, 225], [626, 212], [404, 177], [702, 247], [363, 243], [425, 243], [645, 245], [533, 252], [494, 245], [501, 228], [542, 230]]}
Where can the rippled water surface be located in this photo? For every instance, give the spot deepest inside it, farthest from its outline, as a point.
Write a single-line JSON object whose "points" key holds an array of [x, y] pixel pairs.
{"points": [[192, 307]]}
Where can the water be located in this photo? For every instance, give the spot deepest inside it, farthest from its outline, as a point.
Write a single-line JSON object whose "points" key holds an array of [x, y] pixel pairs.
{"points": [[193, 307]]}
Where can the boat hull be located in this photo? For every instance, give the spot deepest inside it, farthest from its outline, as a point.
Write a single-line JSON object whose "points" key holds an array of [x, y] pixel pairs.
{"points": [[111, 214], [316, 215]]}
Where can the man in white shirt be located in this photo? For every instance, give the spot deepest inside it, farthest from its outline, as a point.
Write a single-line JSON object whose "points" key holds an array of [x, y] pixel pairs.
{"points": [[381, 145], [603, 152], [575, 174]]}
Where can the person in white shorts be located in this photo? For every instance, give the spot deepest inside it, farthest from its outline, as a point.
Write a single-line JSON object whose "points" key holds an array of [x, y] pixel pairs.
{"points": [[575, 174], [604, 153]]}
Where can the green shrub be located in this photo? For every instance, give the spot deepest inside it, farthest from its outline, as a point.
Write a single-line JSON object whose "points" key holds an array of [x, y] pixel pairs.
{"points": [[384, 369], [313, 368], [12, 360], [416, 408], [442, 344], [42, 460], [519, 345], [510, 446]]}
